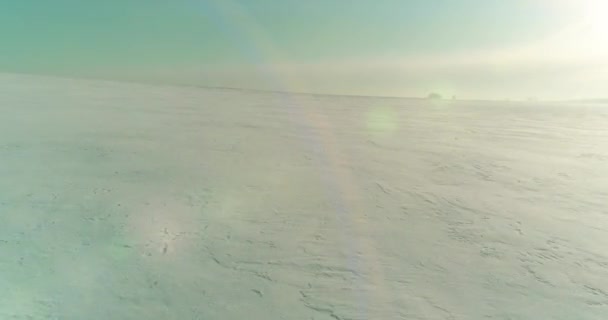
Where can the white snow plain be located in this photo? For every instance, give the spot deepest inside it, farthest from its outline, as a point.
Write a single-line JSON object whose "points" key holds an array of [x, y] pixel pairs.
{"points": [[131, 201]]}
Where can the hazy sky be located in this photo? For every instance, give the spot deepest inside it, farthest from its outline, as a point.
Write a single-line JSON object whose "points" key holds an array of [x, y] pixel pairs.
{"points": [[469, 48]]}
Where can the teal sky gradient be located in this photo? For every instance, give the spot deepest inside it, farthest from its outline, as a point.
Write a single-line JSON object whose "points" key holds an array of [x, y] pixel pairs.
{"points": [[239, 42]]}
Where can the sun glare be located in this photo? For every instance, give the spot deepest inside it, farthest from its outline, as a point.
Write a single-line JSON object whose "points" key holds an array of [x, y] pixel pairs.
{"points": [[596, 18], [588, 34]]}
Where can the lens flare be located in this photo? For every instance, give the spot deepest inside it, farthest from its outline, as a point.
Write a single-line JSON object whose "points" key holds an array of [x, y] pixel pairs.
{"points": [[381, 121]]}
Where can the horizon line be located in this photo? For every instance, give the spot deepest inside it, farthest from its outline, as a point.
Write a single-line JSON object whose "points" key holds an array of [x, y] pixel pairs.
{"points": [[202, 86]]}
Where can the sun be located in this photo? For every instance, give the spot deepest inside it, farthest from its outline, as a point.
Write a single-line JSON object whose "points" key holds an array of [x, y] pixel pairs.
{"points": [[596, 18], [590, 32]]}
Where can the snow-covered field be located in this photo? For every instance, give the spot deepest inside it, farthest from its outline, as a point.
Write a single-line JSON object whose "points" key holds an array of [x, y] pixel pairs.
{"points": [[130, 201]]}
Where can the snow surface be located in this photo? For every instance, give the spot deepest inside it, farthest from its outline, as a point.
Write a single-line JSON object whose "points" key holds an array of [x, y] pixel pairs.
{"points": [[130, 201]]}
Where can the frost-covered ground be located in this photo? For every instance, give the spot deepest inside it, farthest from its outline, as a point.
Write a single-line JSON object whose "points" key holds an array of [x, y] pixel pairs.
{"points": [[129, 201]]}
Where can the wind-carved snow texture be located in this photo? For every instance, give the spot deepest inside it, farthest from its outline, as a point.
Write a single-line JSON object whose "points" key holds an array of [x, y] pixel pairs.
{"points": [[129, 201]]}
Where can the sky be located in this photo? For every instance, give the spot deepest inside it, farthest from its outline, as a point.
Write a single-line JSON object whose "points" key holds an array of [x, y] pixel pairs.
{"points": [[495, 49]]}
